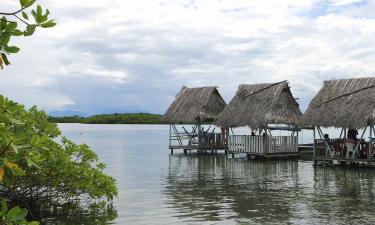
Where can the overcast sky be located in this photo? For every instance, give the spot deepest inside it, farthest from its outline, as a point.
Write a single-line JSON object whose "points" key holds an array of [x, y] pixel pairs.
{"points": [[107, 56]]}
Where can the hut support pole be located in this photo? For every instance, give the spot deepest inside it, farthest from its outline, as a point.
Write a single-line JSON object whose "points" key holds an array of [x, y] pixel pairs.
{"points": [[170, 135], [269, 131], [199, 136], [342, 131], [370, 144], [328, 149], [356, 147], [314, 149]]}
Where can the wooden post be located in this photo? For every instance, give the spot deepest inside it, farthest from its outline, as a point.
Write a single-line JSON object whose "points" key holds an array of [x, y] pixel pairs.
{"points": [[342, 131], [356, 147], [314, 147], [199, 135], [369, 152], [328, 149], [170, 135]]}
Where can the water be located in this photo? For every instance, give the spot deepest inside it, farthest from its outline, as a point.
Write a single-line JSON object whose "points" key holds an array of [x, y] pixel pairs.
{"points": [[158, 188]]}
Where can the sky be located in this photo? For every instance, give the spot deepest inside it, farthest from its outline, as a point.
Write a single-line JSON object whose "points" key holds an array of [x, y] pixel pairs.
{"points": [[108, 56]]}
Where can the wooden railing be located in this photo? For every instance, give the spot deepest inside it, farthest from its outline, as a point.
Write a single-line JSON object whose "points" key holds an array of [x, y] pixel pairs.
{"points": [[190, 140], [336, 148], [262, 144], [282, 144], [212, 140]]}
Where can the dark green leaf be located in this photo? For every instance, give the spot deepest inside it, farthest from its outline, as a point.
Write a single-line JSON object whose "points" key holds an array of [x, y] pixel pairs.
{"points": [[29, 30], [4, 38], [4, 206], [29, 3], [48, 24], [21, 215], [33, 13], [25, 16], [23, 3], [11, 26], [3, 23], [17, 32], [5, 59], [11, 49], [39, 10], [13, 212]]}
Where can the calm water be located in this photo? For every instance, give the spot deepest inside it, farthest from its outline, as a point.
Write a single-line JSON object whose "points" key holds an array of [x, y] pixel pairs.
{"points": [[158, 188]]}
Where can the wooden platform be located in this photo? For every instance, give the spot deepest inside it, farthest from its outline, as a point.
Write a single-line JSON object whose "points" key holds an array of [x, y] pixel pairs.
{"points": [[195, 147], [344, 161]]}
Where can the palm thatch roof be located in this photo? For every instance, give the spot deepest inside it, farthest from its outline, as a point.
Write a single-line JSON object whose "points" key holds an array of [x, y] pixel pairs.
{"points": [[347, 103], [257, 105], [192, 103]]}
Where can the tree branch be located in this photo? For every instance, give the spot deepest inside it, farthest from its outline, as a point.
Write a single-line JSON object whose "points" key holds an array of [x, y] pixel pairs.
{"points": [[22, 20], [13, 13]]}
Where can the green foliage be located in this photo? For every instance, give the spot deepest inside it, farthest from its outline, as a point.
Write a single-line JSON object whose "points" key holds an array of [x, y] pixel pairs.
{"points": [[117, 118], [39, 166], [15, 215], [9, 26]]}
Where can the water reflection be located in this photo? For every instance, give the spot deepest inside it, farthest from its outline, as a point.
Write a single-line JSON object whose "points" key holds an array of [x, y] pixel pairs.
{"points": [[230, 191], [77, 213], [217, 188], [344, 194]]}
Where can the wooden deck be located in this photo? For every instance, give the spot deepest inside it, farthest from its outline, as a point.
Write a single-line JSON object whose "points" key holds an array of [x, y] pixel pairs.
{"points": [[203, 141], [264, 146], [334, 151], [344, 162]]}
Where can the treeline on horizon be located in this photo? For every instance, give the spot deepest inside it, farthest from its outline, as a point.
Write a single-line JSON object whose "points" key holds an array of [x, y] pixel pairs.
{"points": [[116, 118]]}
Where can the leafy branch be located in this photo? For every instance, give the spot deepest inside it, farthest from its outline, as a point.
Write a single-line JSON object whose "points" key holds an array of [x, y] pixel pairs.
{"points": [[9, 27]]}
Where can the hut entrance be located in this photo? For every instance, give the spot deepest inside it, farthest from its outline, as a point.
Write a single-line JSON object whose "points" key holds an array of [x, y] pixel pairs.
{"points": [[264, 143], [350, 145], [197, 137]]}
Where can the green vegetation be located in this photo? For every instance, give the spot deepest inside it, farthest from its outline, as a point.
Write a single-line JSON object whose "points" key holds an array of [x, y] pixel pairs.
{"points": [[42, 173], [29, 18], [117, 118], [40, 169]]}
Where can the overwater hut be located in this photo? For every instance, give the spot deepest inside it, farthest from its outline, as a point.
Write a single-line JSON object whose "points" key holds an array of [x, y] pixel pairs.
{"points": [[263, 108], [195, 107], [347, 104]]}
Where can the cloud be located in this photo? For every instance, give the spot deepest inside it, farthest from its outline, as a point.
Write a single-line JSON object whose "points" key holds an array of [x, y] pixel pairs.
{"points": [[127, 56]]}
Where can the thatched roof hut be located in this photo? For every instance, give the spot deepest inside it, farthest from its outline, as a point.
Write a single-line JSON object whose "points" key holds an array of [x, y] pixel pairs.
{"points": [[257, 105], [191, 103], [346, 103]]}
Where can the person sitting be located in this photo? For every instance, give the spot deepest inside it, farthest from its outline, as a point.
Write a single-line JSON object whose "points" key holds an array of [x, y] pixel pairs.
{"points": [[352, 134]]}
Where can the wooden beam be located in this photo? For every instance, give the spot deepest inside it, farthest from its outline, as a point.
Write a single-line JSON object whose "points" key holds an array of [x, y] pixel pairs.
{"points": [[356, 148]]}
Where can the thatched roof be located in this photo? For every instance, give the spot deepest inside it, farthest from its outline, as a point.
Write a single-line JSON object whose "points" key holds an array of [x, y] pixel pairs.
{"points": [[191, 103], [257, 105], [347, 103]]}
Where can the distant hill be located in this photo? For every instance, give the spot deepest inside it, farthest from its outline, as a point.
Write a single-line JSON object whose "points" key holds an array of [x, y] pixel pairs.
{"points": [[67, 113], [116, 118]]}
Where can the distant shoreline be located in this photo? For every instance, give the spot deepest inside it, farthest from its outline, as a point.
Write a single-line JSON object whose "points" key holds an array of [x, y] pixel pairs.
{"points": [[116, 118]]}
